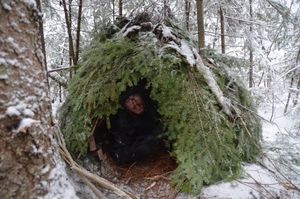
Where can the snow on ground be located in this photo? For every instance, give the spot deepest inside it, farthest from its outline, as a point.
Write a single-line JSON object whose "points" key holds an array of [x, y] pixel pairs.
{"points": [[60, 186], [281, 147], [63, 183]]}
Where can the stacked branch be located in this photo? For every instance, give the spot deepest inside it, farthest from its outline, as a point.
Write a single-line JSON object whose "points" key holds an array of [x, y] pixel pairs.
{"points": [[88, 177]]}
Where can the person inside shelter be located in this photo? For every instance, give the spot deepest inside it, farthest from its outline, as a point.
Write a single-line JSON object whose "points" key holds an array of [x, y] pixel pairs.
{"points": [[135, 128]]}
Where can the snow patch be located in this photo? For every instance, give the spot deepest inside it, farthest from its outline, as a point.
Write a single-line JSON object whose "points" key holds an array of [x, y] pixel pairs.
{"points": [[20, 109], [27, 112], [30, 3], [25, 124], [11, 42], [131, 29], [46, 169], [3, 54], [2, 61], [187, 52], [6, 6], [36, 151], [167, 32], [4, 77], [9, 62], [60, 184], [12, 111]]}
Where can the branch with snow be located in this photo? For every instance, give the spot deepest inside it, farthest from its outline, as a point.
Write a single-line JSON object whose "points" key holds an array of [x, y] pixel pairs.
{"points": [[209, 78], [131, 31], [170, 40], [58, 78]]}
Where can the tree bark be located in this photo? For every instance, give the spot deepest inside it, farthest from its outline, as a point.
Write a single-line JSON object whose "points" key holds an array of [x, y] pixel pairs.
{"points": [[113, 9], [165, 7], [251, 49], [42, 38], [298, 91], [200, 23], [222, 23], [120, 8], [187, 14], [298, 85], [289, 95], [69, 30], [78, 33], [291, 85], [25, 154]]}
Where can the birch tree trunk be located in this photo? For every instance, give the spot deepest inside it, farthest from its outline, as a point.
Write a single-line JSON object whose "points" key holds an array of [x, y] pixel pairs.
{"points": [[200, 23], [25, 153]]}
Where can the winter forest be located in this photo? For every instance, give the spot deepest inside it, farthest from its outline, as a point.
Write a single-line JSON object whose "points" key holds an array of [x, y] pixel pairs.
{"points": [[149, 99]]}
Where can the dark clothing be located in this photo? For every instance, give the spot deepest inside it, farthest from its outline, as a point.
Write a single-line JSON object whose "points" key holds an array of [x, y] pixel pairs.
{"points": [[134, 137]]}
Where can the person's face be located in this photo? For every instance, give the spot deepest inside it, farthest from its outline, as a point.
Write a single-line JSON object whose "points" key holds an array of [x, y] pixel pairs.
{"points": [[135, 104]]}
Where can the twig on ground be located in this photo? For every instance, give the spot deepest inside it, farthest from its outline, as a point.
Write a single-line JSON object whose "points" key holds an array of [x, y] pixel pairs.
{"points": [[157, 177], [152, 185], [258, 191], [85, 174], [128, 170], [262, 186], [94, 188], [293, 186]]}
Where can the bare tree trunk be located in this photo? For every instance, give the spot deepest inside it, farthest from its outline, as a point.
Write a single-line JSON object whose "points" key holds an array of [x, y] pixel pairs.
{"points": [[289, 95], [25, 152], [113, 9], [165, 9], [72, 50], [120, 8], [187, 14], [298, 91], [78, 33], [298, 84], [291, 84], [222, 30], [216, 35], [69, 29], [251, 69], [251, 49], [200, 23]]}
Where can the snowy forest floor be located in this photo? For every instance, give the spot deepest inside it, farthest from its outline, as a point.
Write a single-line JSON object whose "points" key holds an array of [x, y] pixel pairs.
{"points": [[276, 175]]}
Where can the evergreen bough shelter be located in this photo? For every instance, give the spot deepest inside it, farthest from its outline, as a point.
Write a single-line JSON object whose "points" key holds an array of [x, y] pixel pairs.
{"points": [[208, 115]]}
